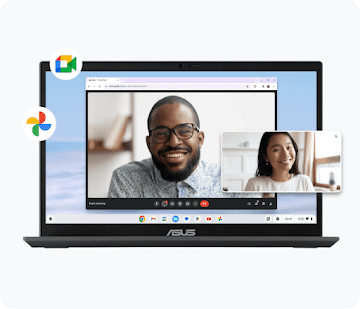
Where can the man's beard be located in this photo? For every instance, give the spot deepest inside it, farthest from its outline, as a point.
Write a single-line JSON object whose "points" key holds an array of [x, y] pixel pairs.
{"points": [[179, 175]]}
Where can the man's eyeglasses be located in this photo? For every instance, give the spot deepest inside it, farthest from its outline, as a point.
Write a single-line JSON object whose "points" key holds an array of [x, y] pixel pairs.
{"points": [[182, 131]]}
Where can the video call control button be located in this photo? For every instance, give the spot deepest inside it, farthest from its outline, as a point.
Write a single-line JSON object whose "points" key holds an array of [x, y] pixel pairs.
{"points": [[180, 203], [156, 203], [172, 203], [195, 203], [288, 219], [204, 203], [187, 203], [164, 203]]}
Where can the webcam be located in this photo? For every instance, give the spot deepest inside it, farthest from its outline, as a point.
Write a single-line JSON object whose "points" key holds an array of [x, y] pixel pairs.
{"points": [[181, 65]]}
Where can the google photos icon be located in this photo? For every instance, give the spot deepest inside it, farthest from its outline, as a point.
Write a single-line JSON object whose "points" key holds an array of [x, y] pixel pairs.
{"points": [[39, 123]]}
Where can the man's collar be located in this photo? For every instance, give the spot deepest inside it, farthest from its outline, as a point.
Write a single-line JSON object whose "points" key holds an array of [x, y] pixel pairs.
{"points": [[192, 180]]}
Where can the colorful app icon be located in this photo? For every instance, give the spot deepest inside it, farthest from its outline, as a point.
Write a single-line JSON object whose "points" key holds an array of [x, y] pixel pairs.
{"points": [[197, 219], [175, 218], [142, 218], [220, 218], [186, 218], [208, 218], [164, 219], [152, 218], [39, 123], [65, 63]]}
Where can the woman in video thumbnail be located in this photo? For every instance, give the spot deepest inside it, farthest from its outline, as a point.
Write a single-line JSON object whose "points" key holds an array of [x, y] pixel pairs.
{"points": [[278, 166]]}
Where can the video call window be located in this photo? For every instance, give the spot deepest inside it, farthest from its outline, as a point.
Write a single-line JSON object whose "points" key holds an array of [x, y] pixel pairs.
{"points": [[281, 161], [118, 135]]}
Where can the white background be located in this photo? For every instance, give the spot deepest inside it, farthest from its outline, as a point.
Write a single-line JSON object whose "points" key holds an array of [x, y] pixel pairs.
{"points": [[30, 31]]}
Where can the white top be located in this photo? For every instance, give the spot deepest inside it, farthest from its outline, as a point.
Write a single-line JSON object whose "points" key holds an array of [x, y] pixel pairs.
{"points": [[298, 183]]}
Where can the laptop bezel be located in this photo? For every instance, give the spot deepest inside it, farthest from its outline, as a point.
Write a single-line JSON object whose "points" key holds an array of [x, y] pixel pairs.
{"points": [[162, 229]]}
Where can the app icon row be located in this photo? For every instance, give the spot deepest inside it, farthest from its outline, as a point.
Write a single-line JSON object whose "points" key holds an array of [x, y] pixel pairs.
{"points": [[176, 218]]}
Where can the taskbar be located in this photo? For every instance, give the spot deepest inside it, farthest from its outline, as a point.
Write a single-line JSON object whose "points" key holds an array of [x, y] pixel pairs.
{"points": [[181, 218]]}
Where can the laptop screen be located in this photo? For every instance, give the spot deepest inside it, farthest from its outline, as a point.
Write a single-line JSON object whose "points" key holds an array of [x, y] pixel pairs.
{"points": [[140, 147]]}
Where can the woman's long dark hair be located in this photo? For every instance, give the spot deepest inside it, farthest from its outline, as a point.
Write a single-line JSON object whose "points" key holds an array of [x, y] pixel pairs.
{"points": [[266, 170]]}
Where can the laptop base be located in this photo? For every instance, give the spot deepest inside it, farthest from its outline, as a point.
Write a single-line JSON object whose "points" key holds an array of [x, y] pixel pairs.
{"points": [[180, 241]]}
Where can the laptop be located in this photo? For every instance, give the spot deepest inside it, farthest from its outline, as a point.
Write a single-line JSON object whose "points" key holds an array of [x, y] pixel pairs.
{"points": [[136, 156]]}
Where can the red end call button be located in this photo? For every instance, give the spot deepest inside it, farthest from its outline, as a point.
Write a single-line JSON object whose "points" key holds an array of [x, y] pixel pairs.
{"points": [[204, 203]]}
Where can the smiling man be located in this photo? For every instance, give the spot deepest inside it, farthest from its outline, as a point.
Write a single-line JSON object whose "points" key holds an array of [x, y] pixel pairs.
{"points": [[174, 139], [175, 168]]}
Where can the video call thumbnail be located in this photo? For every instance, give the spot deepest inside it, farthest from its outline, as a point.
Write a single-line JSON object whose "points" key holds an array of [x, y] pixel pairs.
{"points": [[281, 161]]}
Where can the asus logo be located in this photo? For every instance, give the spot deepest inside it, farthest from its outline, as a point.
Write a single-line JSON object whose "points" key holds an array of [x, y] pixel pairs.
{"points": [[179, 232]]}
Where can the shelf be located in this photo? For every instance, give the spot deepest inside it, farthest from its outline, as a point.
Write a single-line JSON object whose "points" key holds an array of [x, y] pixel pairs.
{"points": [[97, 146]]}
